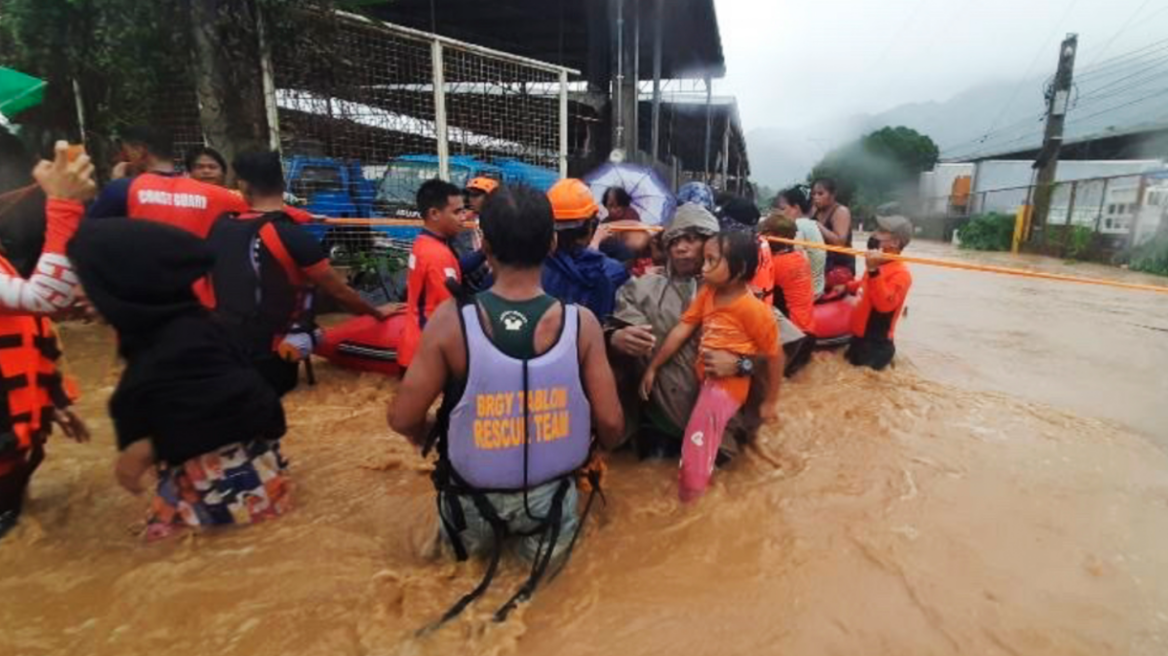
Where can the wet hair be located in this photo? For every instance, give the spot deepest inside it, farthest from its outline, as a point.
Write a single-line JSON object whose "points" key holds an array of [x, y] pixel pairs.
{"points": [[740, 211], [740, 251], [619, 195], [193, 158], [434, 194], [777, 225], [827, 183], [518, 226], [796, 198], [157, 142], [574, 239], [262, 170]]}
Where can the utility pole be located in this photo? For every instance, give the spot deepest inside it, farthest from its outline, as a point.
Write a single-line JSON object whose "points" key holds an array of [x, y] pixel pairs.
{"points": [[1057, 101]]}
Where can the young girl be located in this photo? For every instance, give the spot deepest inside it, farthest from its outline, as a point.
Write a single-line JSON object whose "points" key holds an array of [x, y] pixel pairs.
{"points": [[732, 319]]}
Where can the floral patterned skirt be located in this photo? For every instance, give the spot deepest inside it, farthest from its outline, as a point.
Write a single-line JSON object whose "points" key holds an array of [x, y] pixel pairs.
{"points": [[241, 483]]}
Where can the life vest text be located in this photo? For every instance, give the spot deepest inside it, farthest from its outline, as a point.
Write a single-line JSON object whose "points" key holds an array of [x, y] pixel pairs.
{"points": [[499, 418], [156, 197]]}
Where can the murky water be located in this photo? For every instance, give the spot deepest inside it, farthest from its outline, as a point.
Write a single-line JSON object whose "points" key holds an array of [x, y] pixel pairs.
{"points": [[995, 494]]}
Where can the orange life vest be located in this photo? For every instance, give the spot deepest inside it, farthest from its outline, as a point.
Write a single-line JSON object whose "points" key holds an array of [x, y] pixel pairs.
{"points": [[30, 385]]}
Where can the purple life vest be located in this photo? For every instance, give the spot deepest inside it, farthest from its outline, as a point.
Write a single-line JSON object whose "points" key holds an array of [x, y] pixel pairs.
{"points": [[485, 438]]}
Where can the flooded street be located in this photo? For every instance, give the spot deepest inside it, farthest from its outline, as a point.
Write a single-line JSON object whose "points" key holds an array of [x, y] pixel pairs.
{"points": [[1003, 490]]}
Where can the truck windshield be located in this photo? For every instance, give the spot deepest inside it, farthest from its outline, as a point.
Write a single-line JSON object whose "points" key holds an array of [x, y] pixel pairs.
{"points": [[402, 179], [315, 179]]}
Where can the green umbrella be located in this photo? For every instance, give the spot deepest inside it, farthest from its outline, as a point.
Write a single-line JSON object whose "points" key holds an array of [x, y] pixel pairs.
{"points": [[18, 91]]}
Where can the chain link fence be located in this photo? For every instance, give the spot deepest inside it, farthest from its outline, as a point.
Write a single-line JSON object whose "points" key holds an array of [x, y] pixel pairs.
{"points": [[1099, 217], [366, 111]]}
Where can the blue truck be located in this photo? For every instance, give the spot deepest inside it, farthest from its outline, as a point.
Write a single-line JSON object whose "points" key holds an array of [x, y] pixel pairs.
{"points": [[338, 189]]}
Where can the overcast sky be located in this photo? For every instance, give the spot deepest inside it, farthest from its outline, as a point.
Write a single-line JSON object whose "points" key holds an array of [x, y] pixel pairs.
{"points": [[793, 62]]}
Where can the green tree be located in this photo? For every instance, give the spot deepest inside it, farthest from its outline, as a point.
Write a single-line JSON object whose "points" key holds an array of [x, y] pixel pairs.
{"points": [[129, 57], [872, 169]]}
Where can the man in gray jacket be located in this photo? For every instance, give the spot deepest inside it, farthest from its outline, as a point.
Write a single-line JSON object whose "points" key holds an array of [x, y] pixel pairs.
{"points": [[647, 308]]}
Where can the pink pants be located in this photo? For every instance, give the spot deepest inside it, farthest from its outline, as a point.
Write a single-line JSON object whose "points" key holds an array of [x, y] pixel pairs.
{"points": [[703, 435]]}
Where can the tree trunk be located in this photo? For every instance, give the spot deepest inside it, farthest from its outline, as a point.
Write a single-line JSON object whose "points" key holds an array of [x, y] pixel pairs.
{"points": [[228, 77]]}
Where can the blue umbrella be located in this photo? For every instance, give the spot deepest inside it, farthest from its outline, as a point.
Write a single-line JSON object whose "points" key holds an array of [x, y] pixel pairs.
{"points": [[651, 196]]}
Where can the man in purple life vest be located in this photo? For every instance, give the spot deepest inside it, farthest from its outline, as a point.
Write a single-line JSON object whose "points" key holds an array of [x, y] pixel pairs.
{"points": [[508, 358]]}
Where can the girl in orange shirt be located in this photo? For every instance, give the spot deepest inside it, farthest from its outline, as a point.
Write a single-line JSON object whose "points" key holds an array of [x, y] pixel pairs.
{"points": [[733, 320]]}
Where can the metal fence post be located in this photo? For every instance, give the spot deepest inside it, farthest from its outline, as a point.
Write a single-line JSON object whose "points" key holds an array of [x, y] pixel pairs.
{"points": [[563, 124], [271, 109], [438, 78], [1102, 204]]}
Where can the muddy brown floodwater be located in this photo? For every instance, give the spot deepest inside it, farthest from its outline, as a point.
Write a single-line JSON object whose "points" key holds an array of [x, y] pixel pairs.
{"points": [[1004, 490]]}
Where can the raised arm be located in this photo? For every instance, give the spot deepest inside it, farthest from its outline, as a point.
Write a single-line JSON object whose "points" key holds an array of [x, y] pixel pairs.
{"points": [[53, 285], [328, 280]]}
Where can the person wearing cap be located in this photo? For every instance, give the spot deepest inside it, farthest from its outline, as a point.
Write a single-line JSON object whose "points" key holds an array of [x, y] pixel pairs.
{"points": [[477, 191], [576, 272], [883, 291], [469, 243]]}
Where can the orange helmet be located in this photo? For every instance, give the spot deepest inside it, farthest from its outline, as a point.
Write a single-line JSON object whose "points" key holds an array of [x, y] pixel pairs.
{"points": [[485, 185], [572, 200]]}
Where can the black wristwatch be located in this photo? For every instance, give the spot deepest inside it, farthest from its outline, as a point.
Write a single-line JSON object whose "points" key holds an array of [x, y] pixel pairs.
{"points": [[745, 366]]}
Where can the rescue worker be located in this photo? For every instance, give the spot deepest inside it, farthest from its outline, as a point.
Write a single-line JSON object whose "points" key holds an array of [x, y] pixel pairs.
{"points": [[884, 289], [154, 190], [35, 395], [477, 191], [266, 271], [432, 261], [509, 358], [575, 272], [469, 243]]}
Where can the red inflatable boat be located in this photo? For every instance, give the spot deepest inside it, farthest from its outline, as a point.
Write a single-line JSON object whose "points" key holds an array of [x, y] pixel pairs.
{"points": [[365, 344], [833, 321]]}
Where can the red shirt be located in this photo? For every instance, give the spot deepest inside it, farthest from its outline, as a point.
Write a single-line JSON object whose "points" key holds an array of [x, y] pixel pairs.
{"points": [[763, 278], [881, 303], [180, 201], [794, 289], [432, 263]]}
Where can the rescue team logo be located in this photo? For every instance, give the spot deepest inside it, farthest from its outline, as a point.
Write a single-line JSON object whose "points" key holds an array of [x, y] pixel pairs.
{"points": [[158, 197], [513, 321], [499, 418]]}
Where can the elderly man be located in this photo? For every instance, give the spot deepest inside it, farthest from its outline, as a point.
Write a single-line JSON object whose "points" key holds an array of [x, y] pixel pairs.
{"points": [[646, 309]]}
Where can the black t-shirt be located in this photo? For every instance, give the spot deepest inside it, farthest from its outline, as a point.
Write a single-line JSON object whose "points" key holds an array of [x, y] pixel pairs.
{"points": [[304, 249]]}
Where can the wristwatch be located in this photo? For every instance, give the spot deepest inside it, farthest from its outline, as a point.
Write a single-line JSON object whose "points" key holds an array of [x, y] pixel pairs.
{"points": [[745, 366]]}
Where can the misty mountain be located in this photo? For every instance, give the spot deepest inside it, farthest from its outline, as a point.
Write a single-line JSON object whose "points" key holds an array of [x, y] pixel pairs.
{"points": [[1010, 112]]}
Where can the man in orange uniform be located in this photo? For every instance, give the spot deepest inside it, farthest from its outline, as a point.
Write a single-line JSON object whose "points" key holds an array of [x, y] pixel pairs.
{"points": [[160, 193], [155, 191], [432, 261], [885, 287]]}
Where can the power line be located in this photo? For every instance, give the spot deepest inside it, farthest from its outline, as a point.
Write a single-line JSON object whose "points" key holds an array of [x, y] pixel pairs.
{"points": [[1033, 61], [1126, 104], [1126, 24]]}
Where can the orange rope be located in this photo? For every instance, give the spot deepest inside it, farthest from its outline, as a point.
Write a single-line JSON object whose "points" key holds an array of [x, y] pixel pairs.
{"points": [[407, 223], [928, 261], [977, 267]]}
